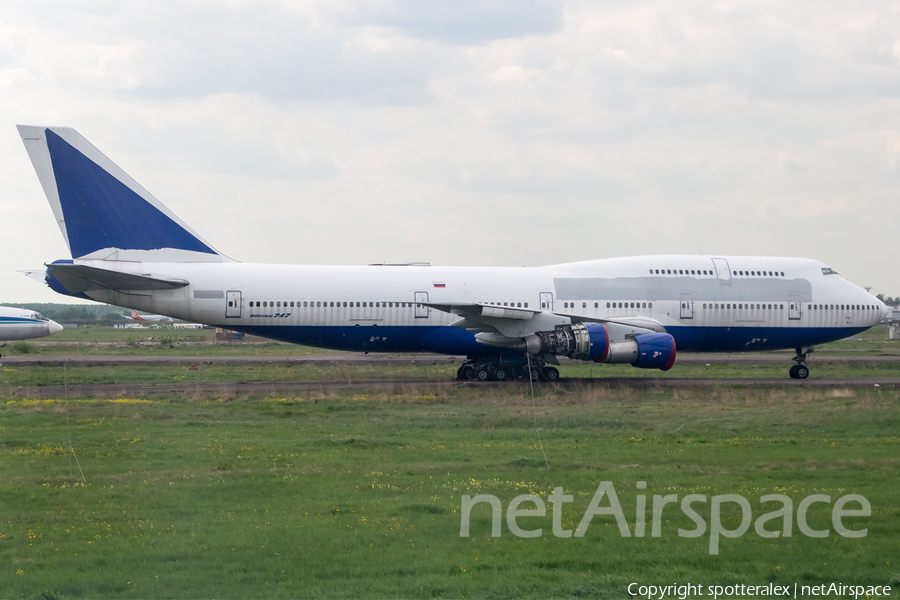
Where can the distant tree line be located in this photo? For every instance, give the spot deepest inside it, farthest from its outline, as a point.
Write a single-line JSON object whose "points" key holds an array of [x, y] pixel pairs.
{"points": [[81, 314], [889, 300]]}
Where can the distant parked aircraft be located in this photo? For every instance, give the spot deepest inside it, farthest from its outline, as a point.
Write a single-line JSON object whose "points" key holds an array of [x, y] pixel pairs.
{"points": [[128, 249], [147, 317], [23, 324]]}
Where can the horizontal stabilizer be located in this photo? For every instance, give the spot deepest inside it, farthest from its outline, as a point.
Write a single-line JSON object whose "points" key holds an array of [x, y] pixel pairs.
{"points": [[82, 278]]}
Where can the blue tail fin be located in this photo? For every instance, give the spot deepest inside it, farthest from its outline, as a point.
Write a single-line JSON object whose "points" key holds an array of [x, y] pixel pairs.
{"points": [[102, 212]]}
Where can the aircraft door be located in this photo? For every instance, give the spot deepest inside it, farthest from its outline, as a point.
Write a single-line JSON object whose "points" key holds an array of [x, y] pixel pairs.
{"points": [[546, 300], [421, 309], [794, 307], [232, 304], [687, 308], [722, 269]]}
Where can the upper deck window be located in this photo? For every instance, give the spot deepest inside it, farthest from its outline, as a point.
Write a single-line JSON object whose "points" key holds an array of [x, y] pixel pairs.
{"points": [[828, 271]]}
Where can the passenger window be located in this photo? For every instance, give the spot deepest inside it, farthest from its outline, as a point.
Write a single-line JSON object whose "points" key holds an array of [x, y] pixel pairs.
{"points": [[584, 305], [651, 271], [596, 304], [607, 305], [526, 305], [670, 271], [657, 271]]}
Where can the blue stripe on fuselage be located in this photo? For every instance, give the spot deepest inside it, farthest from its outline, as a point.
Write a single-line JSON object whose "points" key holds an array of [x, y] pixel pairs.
{"points": [[461, 342]]}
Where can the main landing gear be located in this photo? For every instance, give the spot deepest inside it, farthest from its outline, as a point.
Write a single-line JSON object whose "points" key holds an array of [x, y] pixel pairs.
{"points": [[477, 369], [801, 369]]}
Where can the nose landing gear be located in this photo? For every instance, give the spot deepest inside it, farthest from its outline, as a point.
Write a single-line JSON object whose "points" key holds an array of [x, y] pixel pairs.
{"points": [[801, 369]]}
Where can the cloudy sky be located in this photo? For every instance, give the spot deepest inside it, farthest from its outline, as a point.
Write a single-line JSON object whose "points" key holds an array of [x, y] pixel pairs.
{"points": [[471, 133]]}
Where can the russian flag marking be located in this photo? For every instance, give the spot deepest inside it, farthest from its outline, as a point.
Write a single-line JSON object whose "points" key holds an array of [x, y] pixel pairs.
{"points": [[439, 284]]}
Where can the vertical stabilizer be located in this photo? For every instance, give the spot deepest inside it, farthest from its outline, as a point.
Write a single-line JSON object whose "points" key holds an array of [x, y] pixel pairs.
{"points": [[101, 211]]}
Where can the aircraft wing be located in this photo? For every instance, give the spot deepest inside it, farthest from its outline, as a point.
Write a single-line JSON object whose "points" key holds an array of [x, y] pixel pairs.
{"points": [[82, 278], [514, 322]]}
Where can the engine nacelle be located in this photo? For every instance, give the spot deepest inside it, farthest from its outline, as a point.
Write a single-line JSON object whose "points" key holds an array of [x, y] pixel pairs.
{"points": [[578, 341], [655, 351], [590, 341]]}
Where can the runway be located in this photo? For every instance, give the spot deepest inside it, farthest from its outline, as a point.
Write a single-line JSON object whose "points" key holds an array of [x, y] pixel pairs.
{"points": [[396, 360], [400, 385], [419, 360]]}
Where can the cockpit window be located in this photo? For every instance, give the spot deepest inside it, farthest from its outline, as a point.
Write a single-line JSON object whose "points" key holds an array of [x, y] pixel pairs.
{"points": [[40, 317], [828, 271]]}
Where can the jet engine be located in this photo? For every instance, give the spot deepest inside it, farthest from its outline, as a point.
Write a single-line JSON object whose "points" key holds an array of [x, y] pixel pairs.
{"points": [[590, 341]]}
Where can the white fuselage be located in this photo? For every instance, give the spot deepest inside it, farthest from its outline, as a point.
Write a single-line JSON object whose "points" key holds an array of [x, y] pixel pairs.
{"points": [[22, 324]]}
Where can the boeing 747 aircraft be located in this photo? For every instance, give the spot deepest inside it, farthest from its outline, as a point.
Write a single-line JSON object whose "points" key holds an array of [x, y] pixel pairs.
{"points": [[22, 324], [128, 249]]}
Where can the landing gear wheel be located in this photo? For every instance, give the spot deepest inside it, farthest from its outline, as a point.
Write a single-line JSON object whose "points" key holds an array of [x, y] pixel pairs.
{"points": [[482, 374], [535, 374], [501, 374], [468, 373], [461, 373], [551, 374], [799, 372]]}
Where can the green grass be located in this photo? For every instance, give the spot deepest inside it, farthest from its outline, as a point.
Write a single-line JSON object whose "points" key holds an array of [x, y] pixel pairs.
{"points": [[358, 494], [53, 374]]}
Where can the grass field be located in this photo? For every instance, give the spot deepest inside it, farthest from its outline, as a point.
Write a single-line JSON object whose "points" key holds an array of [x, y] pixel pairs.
{"points": [[13, 376], [359, 494]]}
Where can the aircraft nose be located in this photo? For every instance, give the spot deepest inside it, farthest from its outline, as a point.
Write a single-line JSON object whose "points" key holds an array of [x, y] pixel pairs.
{"points": [[54, 327]]}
